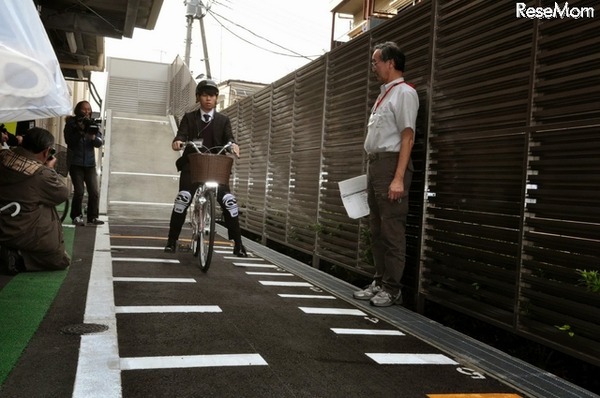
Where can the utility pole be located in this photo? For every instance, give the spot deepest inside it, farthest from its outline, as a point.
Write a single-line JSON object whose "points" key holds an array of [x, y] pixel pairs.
{"points": [[188, 40], [196, 10], [204, 47]]}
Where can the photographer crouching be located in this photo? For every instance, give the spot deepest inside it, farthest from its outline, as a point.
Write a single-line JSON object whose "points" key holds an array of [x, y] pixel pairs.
{"points": [[83, 135]]}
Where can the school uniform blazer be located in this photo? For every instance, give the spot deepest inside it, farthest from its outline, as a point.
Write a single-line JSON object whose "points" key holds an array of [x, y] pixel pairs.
{"points": [[191, 127]]}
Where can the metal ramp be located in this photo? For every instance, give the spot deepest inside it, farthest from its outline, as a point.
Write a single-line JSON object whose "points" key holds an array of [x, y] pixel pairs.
{"points": [[139, 178]]}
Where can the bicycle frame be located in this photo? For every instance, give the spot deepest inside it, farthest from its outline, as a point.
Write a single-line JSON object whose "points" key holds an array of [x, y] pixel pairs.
{"points": [[202, 218]]}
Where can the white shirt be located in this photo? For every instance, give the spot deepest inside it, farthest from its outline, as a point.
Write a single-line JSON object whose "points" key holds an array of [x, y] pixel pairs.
{"points": [[210, 114], [395, 109]]}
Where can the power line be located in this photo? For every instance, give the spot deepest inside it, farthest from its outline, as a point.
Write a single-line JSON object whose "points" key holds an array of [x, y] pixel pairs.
{"points": [[297, 55]]}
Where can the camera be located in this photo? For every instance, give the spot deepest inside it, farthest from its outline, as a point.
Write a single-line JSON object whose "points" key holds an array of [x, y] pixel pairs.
{"points": [[90, 125]]}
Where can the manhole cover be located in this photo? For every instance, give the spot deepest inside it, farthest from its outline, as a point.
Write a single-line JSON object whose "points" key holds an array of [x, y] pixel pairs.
{"points": [[84, 328]]}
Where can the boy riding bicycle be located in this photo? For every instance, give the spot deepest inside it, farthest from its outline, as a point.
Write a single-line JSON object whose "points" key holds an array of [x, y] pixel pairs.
{"points": [[215, 131]]}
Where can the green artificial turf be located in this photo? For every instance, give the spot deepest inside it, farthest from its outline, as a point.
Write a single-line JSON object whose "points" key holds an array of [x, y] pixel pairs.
{"points": [[24, 302]]}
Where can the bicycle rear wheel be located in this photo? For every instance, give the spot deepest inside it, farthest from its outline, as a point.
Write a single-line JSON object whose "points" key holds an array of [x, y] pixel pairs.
{"points": [[206, 231]]}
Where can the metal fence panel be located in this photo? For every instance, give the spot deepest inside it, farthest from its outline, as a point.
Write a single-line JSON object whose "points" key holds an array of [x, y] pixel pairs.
{"points": [[280, 148], [303, 200], [504, 204]]}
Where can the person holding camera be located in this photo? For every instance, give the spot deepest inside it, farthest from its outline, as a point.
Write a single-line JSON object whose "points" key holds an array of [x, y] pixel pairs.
{"points": [[31, 235], [83, 136]]}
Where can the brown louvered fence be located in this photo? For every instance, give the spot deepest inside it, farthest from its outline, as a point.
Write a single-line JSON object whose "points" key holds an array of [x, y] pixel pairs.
{"points": [[504, 207]]}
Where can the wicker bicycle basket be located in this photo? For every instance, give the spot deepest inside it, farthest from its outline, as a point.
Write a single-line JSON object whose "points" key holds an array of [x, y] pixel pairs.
{"points": [[210, 167]]}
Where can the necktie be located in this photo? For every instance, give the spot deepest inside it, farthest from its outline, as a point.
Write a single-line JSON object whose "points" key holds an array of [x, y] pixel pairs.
{"points": [[206, 117]]}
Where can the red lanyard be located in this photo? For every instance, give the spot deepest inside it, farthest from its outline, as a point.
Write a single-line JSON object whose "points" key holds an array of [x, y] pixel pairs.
{"points": [[386, 93]]}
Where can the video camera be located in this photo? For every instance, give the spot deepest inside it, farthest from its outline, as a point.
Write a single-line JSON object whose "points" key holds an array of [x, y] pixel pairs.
{"points": [[91, 125]]}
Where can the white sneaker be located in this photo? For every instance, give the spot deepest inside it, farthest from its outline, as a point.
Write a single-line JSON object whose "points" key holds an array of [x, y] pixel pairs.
{"points": [[385, 299], [368, 293], [78, 221]]}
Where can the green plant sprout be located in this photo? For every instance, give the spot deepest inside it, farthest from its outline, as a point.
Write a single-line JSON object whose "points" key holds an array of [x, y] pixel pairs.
{"points": [[591, 279], [566, 328]]}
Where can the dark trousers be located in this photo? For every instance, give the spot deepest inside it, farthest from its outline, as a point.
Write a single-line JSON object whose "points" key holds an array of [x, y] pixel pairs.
{"points": [[388, 221], [225, 199], [87, 176]]}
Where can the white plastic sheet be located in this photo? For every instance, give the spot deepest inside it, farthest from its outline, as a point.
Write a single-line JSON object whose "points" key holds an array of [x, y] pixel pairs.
{"points": [[354, 196], [31, 83]]}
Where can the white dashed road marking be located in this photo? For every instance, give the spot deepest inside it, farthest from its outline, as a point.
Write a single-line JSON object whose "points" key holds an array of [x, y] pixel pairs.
{"points": [[269, 273], [332, 311], [254, 265], [245, 258], [137, 279], [288, 284], [161, 309], [307, 296], [367, 332], [145, 260], [411, 359], [138, 247], [192, 361]]}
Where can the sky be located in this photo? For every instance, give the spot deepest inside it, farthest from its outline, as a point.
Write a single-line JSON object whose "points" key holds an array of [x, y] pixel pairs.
{"points": [[253, 40]]}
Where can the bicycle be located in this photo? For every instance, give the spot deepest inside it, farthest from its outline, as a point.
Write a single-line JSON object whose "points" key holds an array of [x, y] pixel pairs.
{"points": [[209, 170]]}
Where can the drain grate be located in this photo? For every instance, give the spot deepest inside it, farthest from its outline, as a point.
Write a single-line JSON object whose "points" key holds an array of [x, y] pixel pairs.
{"points": [[84, 328]]}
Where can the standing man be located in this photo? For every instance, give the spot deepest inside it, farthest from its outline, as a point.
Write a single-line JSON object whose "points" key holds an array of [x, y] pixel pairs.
{"points": [[215, 131], [83, 136], [31, 239], [390, 138]]}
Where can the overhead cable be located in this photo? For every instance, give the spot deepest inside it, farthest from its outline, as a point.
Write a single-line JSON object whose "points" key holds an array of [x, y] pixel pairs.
{"points": [[295, 54]]}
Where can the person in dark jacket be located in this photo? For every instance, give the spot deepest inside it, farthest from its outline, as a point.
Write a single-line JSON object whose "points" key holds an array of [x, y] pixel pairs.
{"points": [[215, 131], [7, 139], [83, 136], [31, 235]]}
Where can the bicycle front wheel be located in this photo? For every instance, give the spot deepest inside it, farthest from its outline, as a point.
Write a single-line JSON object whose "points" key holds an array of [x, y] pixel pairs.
{"points": [[206, 235]]}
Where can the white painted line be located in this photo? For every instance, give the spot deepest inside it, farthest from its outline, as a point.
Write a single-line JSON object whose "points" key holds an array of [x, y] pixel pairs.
{"points": [[411, 359], [307, 296], [367, 332], [138, 247], [269, 273], [245, 259], [332, 311], [126, 202], [137, 279], [97, 375], [227, 250], [289, 284], [162, 309], [191, 361], [145, 260], [127, 173], [141, 120], [255, 265]]}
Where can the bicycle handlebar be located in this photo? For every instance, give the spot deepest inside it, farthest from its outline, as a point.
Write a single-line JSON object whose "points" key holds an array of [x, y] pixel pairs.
{"points": [[197, 145]]}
